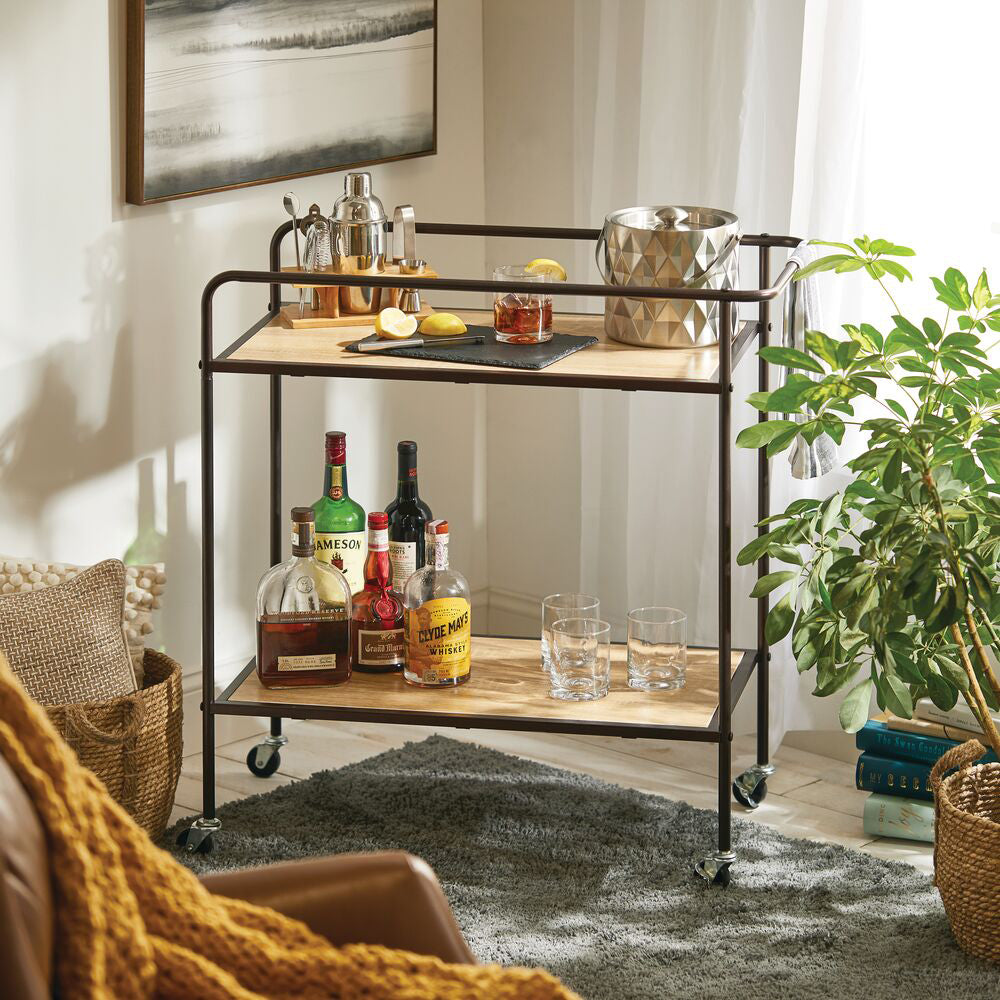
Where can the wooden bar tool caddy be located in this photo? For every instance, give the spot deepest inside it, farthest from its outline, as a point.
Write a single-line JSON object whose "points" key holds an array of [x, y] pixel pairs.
{"points": [[357, 238]]}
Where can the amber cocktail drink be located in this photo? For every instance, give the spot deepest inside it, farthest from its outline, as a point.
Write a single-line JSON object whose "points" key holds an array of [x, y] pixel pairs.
{"points": [[518, 317]]}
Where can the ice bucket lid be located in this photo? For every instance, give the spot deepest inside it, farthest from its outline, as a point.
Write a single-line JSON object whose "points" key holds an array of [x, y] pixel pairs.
{"points": [[679, 218]]}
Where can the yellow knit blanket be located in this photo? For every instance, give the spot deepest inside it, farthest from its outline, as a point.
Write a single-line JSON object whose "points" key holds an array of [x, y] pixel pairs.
{"points": [[132, 923]]}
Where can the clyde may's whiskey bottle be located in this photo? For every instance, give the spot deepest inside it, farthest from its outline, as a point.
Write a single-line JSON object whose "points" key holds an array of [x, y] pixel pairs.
{"points": [[303, 616], [438, 618], [408, 517], [377, 618], [340, 522]]}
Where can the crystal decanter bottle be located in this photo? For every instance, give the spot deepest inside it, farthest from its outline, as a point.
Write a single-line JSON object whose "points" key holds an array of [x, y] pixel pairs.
{"points": [[303, 616]]}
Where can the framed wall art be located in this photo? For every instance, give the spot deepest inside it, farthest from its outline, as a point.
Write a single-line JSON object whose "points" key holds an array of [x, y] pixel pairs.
{"points": [[229, 93]]}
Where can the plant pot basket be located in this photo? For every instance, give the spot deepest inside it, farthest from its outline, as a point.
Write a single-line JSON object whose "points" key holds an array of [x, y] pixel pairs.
{"points": [[133, 743], [967, 848]]}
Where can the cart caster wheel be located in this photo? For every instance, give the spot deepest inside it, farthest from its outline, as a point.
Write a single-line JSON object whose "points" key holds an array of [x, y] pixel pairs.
{"points": [[714, 870], [197, 838], [263, 760], [750, 788]]}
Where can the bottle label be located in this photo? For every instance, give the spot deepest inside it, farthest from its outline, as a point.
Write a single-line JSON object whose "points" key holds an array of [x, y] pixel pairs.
{"points": [[304, 617], [437, 551], [439, 640], [381, 649], [346, 551], [403, 556], [303, 533], [336, 490], [378, 539], [316, 661]]}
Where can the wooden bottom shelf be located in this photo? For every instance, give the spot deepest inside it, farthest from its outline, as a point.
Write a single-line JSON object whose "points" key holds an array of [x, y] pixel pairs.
{"points": [[508, 690]]}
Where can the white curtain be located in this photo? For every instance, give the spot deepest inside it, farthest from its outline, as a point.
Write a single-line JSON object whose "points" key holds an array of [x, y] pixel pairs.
{"points": [[819, 118], [756, 107]]}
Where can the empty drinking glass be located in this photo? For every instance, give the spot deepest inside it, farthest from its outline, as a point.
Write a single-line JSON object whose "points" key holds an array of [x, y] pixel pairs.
{"points": [[581, 659], [557, 606], [657, 649]]}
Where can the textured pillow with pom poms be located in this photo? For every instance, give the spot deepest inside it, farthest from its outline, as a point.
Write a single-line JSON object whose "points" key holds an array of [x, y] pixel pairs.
{"points": [[66, 642], [144, 586]]}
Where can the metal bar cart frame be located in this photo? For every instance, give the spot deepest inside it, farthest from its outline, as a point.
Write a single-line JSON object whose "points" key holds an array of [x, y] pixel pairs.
{"points": [[749, 787]]}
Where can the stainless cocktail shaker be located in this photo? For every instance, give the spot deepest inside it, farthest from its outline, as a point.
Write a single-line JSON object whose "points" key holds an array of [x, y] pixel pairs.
{"points": [[358, 240]]}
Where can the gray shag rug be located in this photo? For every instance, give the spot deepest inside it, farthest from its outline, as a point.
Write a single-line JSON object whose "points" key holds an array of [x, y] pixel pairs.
{"points": [[594, 882]]}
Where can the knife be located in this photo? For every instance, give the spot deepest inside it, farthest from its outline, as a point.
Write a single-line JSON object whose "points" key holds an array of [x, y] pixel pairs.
{"points": [[367, 346]]}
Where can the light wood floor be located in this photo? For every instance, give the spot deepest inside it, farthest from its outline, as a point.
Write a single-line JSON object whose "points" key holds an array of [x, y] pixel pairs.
{"points": [[809, 796]]}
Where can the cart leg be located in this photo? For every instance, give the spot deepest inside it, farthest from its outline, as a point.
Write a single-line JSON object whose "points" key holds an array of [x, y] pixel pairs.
{"points": [[198, 837], [275, 740], [715, 868], [750, 788]]}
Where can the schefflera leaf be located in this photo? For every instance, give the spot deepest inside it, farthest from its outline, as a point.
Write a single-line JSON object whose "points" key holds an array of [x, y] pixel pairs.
{"points": [[895, 576]]}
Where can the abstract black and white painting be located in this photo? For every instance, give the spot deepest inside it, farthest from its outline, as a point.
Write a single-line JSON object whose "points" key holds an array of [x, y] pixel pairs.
{"points": [[226, 93]]}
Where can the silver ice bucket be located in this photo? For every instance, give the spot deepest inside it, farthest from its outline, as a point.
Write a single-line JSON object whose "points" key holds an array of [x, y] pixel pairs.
{"points": [[667, 246]]}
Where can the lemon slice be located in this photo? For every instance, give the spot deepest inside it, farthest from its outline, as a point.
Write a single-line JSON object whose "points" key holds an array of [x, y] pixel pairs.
{"points": [[442, 325], [394, 324], [552, 268]]}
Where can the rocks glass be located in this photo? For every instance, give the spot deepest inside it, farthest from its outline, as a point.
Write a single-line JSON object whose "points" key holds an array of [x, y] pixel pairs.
{"points": [[657, 649], [557, 606], [581, 659], [520, 318]]}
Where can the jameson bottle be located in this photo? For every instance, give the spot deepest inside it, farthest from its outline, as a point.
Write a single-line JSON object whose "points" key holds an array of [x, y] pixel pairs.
{"points": [[438, 623], [408, 517], [377, 618], [340, 522]]}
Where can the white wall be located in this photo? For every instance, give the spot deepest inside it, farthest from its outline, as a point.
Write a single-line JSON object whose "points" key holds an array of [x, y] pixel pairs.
{"points": [[100, 339], [533, 433]]}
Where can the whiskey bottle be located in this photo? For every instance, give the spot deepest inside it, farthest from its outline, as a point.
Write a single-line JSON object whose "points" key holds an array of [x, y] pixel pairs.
{"points": [[377, 618], [408, 517], [303, 616], [340, 522], [438, 623]]}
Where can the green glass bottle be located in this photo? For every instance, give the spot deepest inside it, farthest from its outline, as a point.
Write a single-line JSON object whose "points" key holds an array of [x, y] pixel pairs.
{"points": [[340, 522]]}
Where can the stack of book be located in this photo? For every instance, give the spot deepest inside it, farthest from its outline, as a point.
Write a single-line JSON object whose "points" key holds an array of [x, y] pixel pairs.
{"points": [[895, 766]]}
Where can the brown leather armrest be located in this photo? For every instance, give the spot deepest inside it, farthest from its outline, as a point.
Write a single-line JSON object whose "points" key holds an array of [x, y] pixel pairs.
{"points": [[389, 898], [25, 895]]}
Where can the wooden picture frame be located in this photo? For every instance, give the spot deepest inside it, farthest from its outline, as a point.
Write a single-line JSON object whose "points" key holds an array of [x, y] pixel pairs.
{"points": [[191, 132]]}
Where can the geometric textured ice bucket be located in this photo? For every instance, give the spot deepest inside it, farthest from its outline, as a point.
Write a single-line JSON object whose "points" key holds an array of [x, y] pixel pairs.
{"points": [[667, 246]]}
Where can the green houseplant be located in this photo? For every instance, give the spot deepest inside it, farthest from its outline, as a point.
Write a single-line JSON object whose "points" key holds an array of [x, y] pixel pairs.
{"points": [[891, 583]]}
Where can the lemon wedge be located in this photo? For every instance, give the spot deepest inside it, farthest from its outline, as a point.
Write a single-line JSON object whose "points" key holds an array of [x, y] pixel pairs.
{"points": [[442, 325], [394, 324], [552, 268]]}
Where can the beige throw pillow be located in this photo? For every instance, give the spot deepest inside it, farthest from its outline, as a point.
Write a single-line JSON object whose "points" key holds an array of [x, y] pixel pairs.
{"points": [[66, 643]]}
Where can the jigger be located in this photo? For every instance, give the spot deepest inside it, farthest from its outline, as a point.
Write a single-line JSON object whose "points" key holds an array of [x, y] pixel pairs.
{"points": [[409, 298]]}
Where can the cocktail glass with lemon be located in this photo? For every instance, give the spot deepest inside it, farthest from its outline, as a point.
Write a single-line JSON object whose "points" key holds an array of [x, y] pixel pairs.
{"points": [[520, 318]]}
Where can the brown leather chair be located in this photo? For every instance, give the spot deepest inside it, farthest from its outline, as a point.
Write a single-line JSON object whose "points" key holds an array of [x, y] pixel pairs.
{"points": [[389, 898]]}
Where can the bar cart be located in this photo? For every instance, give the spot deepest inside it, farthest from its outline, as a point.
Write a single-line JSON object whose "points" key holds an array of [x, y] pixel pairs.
{"points": [[508, 690]]}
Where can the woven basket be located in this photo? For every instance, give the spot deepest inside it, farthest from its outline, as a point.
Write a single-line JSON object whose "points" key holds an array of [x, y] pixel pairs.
{"points": [[967, 848], [133, 743]]}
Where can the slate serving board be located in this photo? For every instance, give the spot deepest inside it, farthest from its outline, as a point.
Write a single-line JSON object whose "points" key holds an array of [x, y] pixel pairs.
{"points": [[489, 352]]}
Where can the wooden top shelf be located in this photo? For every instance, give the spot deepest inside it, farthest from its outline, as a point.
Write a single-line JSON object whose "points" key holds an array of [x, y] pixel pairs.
{"points": [[274, 349], [507, 690]]}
